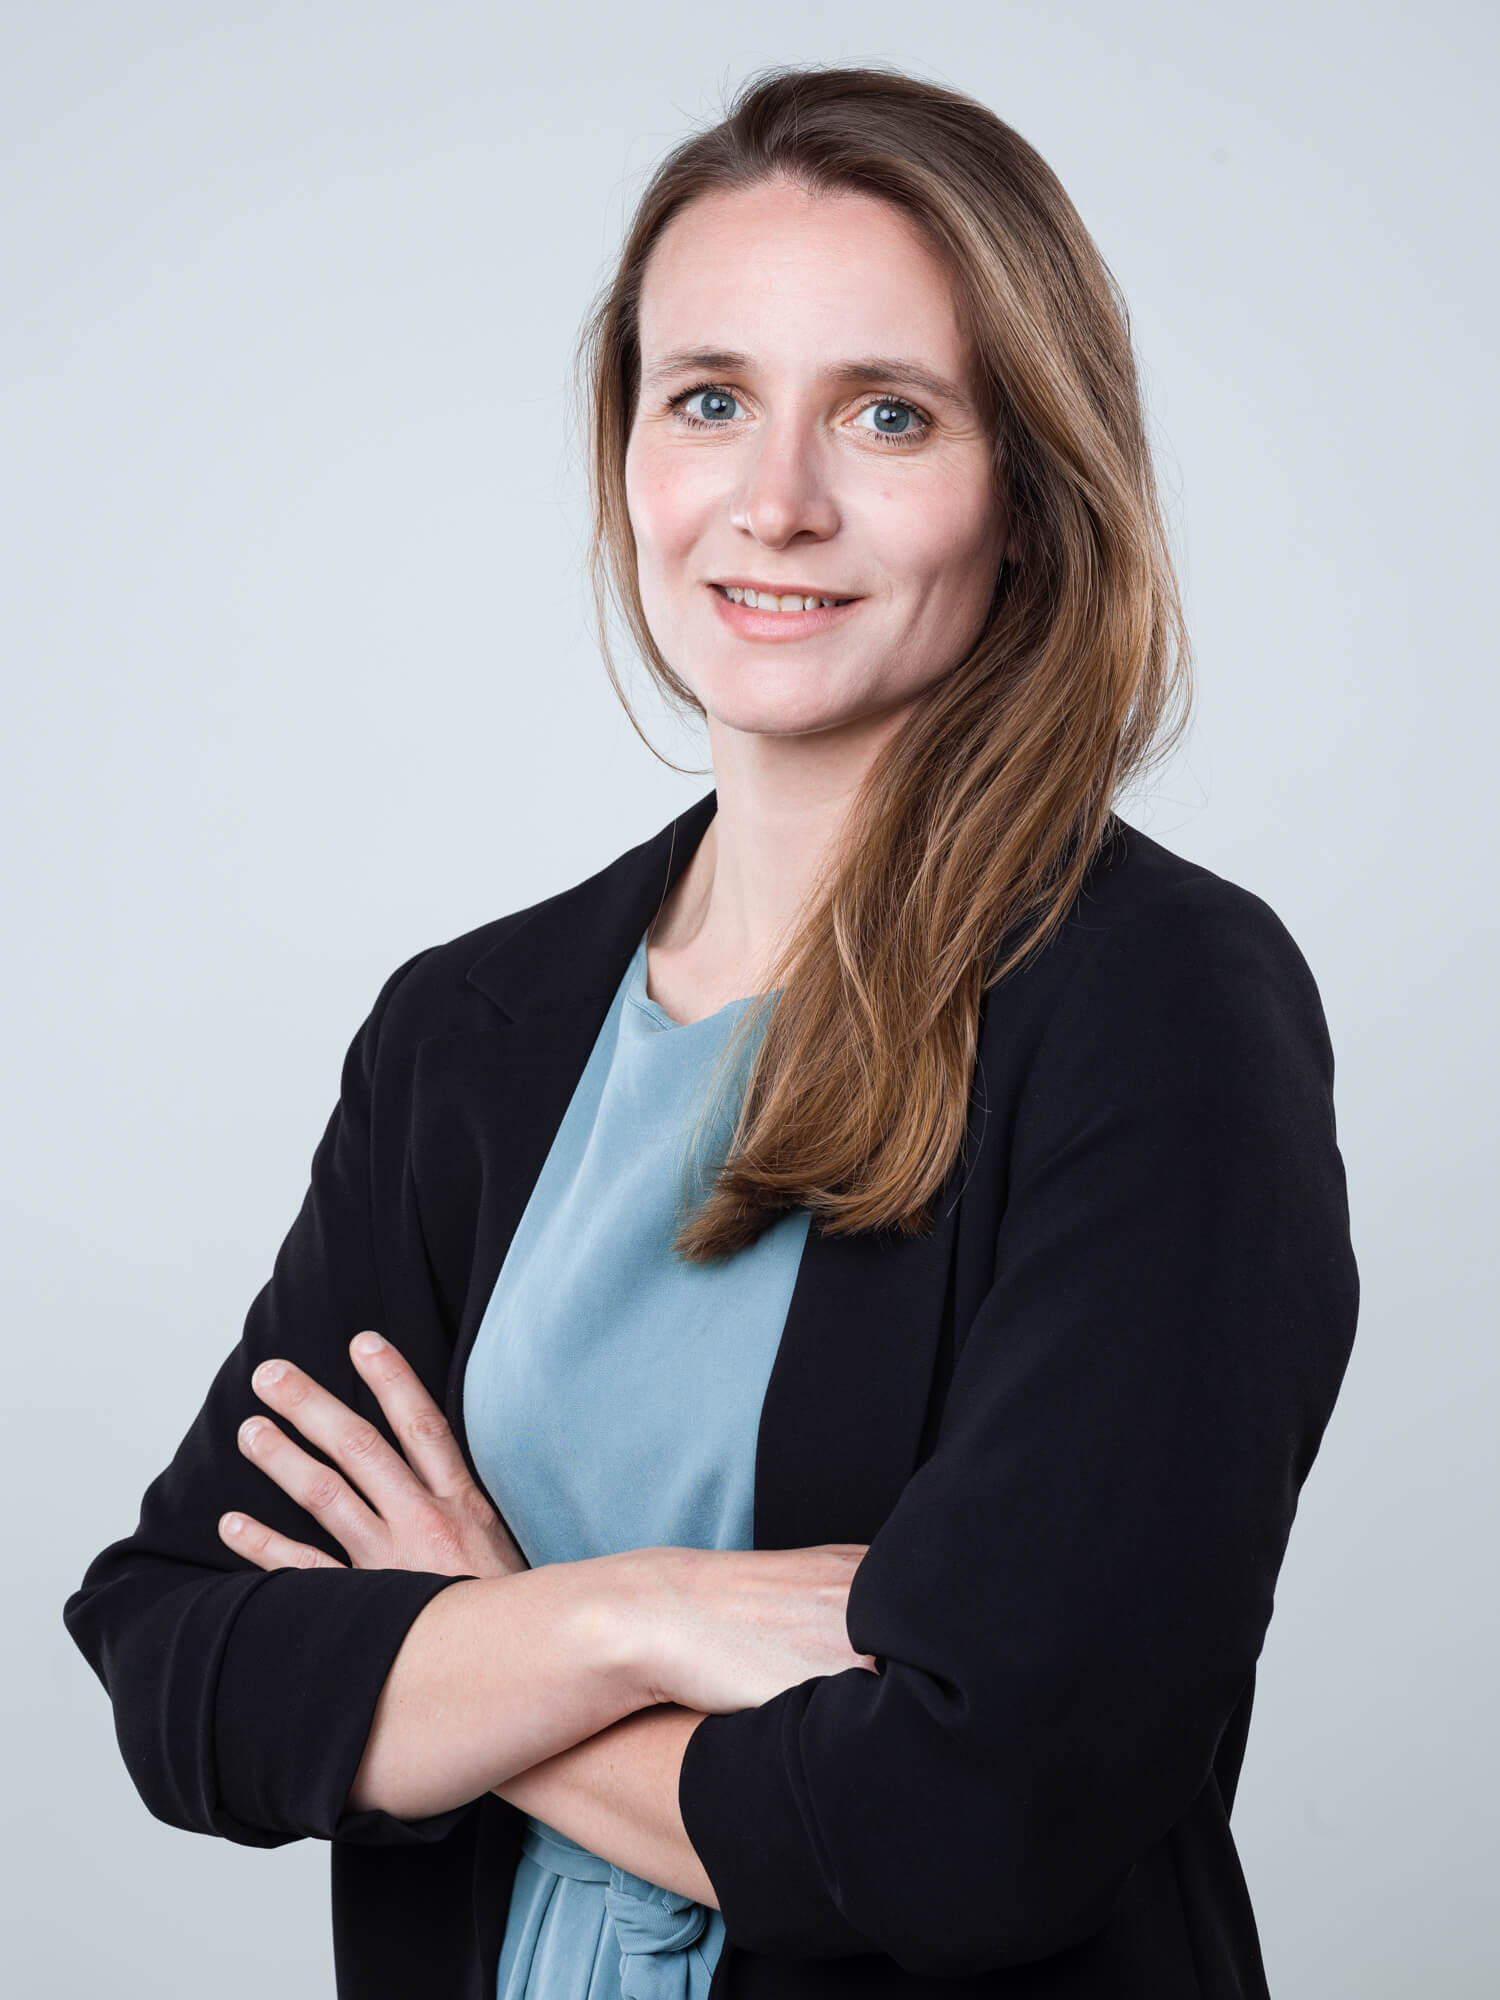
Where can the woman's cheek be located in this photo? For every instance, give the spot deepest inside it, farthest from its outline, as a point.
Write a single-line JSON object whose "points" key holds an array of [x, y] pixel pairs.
{"points": [[665, 484]]}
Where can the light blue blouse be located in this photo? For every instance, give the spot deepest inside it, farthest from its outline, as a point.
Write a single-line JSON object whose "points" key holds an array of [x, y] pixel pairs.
{"points": [[612, 1400]]}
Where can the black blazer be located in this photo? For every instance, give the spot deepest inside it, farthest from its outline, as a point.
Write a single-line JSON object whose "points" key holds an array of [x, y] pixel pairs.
{"points": [[1072, 1421]]}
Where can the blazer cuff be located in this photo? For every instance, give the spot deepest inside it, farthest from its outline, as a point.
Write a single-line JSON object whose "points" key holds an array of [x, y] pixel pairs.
{"points": [[745, 1809], [301, 1674]]}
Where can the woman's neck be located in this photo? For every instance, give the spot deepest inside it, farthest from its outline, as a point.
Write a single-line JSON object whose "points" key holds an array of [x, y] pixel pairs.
{"points": [[782, 810]]}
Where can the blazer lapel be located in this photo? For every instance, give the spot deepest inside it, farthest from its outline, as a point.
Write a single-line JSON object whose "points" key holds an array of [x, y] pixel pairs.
{"points": [[844, 1410], [843, 1414]]}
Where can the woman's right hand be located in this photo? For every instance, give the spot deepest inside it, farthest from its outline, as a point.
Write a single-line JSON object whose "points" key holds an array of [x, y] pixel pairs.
{"points": [[724, 1629]]}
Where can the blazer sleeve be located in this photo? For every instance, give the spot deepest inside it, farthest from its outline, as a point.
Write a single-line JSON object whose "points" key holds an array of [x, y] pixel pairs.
{"points": [[243, 1697], [1072, 1590]]}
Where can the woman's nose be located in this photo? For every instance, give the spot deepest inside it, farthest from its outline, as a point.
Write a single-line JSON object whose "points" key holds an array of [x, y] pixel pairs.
{"points": [[785, 492]]}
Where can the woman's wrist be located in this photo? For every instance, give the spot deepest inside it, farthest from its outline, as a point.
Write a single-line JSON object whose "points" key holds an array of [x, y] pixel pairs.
{"points": [[616, 1794], [623, 1614]]}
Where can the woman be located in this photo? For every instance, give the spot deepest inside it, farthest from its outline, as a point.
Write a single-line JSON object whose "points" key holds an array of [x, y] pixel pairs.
{"points": [[865, 1276]]}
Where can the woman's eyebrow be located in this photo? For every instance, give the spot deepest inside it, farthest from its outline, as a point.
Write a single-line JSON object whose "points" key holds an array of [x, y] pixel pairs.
{"points": [[896, 368], [869, 368]]}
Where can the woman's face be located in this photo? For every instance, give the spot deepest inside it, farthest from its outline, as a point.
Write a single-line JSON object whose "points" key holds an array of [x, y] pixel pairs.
{"points": [[807, 425]]}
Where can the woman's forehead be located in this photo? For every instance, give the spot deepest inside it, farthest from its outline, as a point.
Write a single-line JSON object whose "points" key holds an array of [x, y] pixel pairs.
{"points": [[757, 273]]}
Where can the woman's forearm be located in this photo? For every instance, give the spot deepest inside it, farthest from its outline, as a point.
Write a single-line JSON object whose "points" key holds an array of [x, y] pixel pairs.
{"points": [[616, 1794], [496, 1675]]}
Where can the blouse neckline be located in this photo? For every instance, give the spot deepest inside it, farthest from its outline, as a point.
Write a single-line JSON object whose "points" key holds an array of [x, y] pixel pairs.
{"points": [[636, 994]]}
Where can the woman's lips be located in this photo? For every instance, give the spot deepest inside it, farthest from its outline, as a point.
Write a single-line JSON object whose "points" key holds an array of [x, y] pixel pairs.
{"points": [[748, 624]]}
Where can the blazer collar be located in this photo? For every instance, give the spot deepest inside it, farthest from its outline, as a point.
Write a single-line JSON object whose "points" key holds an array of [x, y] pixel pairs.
{"points": [[574, 947]]}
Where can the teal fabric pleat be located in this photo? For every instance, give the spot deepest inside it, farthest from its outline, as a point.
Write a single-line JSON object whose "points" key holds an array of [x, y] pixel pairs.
{"points": [[612, 1401]]}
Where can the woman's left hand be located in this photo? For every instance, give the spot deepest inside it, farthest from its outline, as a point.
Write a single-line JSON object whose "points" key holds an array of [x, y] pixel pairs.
{"points": [[421, 1512]]}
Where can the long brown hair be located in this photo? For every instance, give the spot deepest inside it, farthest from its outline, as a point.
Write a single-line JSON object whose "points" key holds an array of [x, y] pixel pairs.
{"points": [[973, 830]]}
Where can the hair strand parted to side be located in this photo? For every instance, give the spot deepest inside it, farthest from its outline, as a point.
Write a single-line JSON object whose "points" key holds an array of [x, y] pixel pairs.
{"points": [[973, 830]]}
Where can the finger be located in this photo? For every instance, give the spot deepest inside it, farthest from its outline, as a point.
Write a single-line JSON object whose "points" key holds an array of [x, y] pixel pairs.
{"points": [[422, 1431], [317, 1489], [268, 1550], [350, 1440]]}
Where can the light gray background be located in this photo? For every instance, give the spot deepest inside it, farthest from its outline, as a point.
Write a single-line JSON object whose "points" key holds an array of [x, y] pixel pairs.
{"points": [[299, 679]]}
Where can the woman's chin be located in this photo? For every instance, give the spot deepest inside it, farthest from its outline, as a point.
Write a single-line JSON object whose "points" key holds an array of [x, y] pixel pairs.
{"points": [[780, 719]]}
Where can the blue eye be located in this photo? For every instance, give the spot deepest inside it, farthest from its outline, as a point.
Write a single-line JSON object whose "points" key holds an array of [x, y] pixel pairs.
{"points": [[891, 419], [718, 405]]}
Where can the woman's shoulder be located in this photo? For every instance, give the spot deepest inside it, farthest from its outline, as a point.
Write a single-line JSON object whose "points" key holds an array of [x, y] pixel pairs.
{"points": [[1154, 940], [553, 948], [1139, 892]]}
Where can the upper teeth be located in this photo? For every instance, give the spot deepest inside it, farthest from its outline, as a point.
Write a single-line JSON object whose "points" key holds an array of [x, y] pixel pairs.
{"points": [[766, 600]]}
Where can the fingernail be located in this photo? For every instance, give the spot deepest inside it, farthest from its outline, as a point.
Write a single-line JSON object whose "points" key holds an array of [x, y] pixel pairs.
{"points": [[232, 1523], [368, 1343], [250, 1429], [270, 1371]]}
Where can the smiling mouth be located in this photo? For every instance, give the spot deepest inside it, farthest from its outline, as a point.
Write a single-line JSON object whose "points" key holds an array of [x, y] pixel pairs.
{"points": [[767, 600]]}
